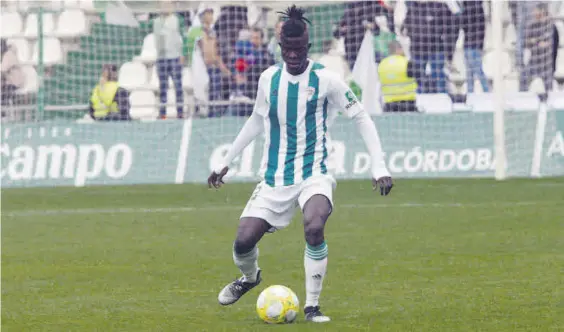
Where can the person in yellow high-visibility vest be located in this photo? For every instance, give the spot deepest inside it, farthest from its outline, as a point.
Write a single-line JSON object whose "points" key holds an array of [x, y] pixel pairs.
{"points": [[397, 76], [109, 102]]}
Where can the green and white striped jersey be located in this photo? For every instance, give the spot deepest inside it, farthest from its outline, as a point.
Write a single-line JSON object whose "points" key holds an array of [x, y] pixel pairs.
{"points": [[297, 112]]}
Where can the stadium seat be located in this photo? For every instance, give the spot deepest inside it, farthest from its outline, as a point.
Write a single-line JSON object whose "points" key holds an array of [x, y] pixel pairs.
{"points": [[556, 100], [20, 5], [340, 46], [537, 86], [561, 11], [171, 103], [560, 27], [71, 4], [12, 24], [148, 51], [460, 40], [143, 104], [31, 84], [522, 101], [516, 101], [132, 75], [459, 63], [52, 52], [72, 23], [53, 5], [31, 26], [187, 79], [434, 103], [480, 102], [511, 84], [509, 36], [9, 5], [154, 79], [488, 37], [490, 62], [460, 107], [87, 5], [22, 48]]}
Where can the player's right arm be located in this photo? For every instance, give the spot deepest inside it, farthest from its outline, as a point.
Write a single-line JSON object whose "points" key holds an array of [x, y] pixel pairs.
{"points": [[252, 128], [346, 102]]}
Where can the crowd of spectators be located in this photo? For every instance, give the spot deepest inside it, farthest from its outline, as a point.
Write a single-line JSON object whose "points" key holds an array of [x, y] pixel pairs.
{"points": [[235, 52]]}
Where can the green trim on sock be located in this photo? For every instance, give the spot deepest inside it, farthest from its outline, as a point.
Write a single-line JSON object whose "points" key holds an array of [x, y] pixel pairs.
{"points": [[323, 245], [317, 253]]}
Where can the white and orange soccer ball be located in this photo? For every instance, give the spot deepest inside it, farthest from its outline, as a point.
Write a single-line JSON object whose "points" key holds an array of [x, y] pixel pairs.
{"points": [[278, 305]]}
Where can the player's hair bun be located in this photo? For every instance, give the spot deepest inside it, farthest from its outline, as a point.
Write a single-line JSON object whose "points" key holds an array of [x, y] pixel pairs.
{"points": [[295, 22], [294, 13]]}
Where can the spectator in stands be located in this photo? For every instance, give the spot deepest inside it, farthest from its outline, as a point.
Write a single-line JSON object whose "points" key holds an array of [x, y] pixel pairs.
{"points": [[232, 19], [12, 75], [216, 67], [252, 59], [521, 17], [474, 27], [398, 79], [260, 62], [427, 24], [168, 30], [273, 45], [450, 36], [539, 39], [109, 102], [359, 16], [242, 58]]}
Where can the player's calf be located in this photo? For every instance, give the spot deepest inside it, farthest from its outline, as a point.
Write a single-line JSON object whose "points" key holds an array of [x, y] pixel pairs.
{"points": [[245, 256], [316, 211]]}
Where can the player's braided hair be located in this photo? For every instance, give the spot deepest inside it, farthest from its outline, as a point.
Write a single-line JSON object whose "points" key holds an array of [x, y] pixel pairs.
{"points": [[295, 22]]}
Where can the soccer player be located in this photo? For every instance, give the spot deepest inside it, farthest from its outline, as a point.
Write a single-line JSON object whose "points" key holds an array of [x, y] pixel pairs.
{"points": [[295, 105]]}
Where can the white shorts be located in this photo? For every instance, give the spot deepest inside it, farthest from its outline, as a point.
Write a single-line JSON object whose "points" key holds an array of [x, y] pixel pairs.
{"points": [[277, 205]]}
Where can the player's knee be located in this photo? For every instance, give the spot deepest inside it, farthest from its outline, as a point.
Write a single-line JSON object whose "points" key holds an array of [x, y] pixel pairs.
{"points": [[314, 225], [243, 245], [317, 210], [314, 232]]}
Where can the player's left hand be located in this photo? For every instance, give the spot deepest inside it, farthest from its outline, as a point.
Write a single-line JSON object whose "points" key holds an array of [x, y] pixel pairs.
{"points": [[216, 180], [384, 183]]}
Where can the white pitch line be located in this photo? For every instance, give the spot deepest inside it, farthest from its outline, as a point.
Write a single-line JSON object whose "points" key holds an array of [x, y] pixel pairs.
{"points": [[26, 213]]}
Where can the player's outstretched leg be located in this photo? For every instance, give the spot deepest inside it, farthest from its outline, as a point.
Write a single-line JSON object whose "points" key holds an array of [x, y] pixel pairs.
{"points": [[316, 211], [245, 256]]}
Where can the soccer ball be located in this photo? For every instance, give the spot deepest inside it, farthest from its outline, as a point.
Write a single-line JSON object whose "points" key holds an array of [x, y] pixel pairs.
{"points": [[278, 305]]}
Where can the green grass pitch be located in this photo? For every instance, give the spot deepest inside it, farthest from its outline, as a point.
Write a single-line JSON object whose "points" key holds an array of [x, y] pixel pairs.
{"points": [[436, 255]]}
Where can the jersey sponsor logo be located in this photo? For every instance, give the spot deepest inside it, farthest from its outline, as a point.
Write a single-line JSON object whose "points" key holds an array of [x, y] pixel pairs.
{"points": [[351, 99]]}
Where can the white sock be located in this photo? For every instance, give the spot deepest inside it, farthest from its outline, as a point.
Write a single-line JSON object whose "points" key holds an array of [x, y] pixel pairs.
{"points": [[248, 264], [315, 263]]}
